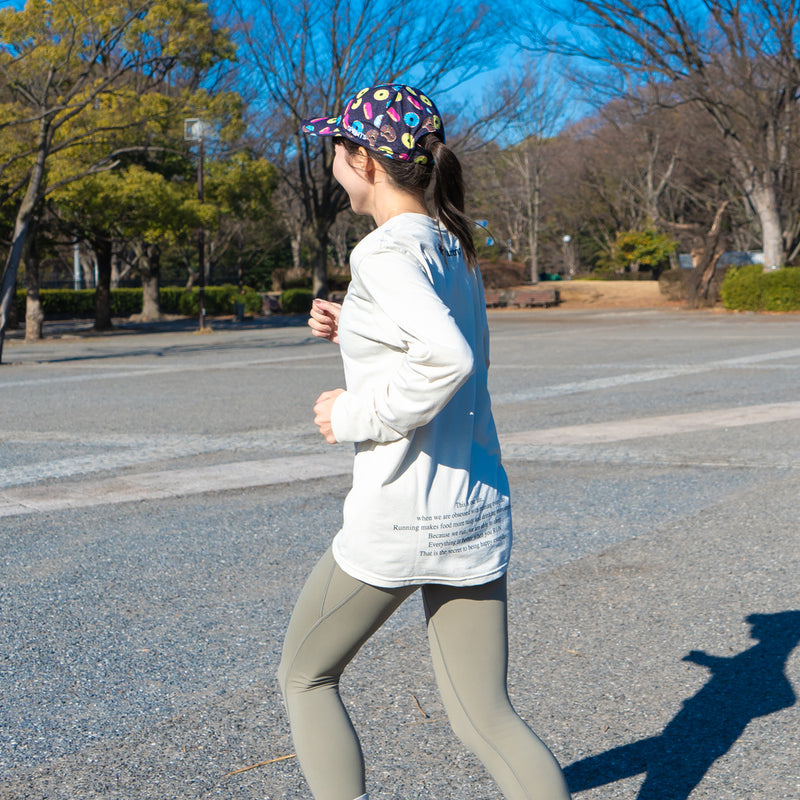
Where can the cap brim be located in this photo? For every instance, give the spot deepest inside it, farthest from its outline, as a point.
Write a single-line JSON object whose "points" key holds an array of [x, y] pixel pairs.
{"points": [[322, 126]]}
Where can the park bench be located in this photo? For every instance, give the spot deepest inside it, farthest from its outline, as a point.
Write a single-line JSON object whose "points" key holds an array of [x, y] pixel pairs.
{"points": [[527, 298], [494, 298]]}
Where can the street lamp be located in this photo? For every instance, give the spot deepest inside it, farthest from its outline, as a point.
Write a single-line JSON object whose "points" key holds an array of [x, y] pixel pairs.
{"points": [[198, 130], [567, 255]]}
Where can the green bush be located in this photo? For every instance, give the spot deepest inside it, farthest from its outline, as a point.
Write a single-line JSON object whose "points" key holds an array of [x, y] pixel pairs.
{"points": [[170, 299], [749, 288], [296, 301], [67, 302], [219, 300], [125, 302], [741, 288], [780, 290]]}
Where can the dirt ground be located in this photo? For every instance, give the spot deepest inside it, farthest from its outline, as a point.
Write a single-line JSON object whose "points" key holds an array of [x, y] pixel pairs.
{"points": [[610, 294]]}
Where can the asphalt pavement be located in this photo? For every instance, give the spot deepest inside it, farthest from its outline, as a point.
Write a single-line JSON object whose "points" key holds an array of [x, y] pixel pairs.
{"points": [[163, 494]]}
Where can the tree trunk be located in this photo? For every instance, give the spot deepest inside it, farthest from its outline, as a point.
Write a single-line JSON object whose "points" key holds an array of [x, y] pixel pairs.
{"points": [[240, 259], [296, 241], [24, 216], [34, 316], [10, 273], [150, 269], [115, 274], [534, 193], [705, 255], [766, 206], [102, 295], [762, 194], [12, 323], [319, 265]]}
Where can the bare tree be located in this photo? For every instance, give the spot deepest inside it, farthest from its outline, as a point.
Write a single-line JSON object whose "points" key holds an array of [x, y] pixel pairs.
{"points": [[542, 98], [308, 56], [736, 59]]}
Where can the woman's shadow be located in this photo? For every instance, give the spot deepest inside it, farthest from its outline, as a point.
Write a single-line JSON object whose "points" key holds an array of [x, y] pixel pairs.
{"points": [[742, 687]]}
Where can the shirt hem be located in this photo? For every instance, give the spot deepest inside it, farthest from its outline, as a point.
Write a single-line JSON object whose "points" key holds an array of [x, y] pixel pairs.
{"points": [[383, 582]]}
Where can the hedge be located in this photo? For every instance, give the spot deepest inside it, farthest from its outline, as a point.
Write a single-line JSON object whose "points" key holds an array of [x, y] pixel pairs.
{"points": [[296, 301], [218, 300], [749, 288]]}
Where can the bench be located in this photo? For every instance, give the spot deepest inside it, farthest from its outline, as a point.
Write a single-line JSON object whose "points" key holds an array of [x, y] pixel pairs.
{"points": [[494, 298], [527, 298]]}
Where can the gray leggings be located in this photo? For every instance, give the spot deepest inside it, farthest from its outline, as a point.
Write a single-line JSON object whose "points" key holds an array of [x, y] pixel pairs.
{"points": [[336, 614]]}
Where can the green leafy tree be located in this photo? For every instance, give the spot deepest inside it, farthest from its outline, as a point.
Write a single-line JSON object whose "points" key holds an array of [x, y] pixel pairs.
{"points": [[76, 75], [134, 210], [248, 231], [633, 250]]}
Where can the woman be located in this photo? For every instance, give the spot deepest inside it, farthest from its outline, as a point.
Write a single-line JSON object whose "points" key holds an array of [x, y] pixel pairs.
{"points": [[429, 507]]}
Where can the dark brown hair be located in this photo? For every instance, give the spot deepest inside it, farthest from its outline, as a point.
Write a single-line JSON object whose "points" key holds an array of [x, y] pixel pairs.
{"points": [[443, 176]]}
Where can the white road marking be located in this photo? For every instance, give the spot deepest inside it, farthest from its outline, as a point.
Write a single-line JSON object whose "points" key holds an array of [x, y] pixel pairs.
{"points": [[248, 474], [118, 452], [139, 451], [137, 371], [613, 381], [175, 483], [600, 433]]}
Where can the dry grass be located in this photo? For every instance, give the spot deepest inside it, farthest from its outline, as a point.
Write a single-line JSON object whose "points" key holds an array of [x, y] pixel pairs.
{"points": [[611, 294]]}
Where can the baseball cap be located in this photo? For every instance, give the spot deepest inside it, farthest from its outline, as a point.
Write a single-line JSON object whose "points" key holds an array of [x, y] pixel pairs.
{"points": [[389, 119]]}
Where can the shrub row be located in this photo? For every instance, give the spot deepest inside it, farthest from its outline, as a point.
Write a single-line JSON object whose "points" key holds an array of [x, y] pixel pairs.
{"points": [[218, 300], [749, 288], [296, 301]]}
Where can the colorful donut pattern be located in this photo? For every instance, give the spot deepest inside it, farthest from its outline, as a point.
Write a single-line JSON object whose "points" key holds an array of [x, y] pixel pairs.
{"points": [[390, 119]]}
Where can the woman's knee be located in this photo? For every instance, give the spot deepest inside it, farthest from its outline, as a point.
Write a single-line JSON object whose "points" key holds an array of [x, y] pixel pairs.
{"points": [[297, 678], [478, 723]]}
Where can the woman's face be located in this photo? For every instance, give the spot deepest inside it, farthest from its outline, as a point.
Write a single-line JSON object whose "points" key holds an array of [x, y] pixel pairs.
{"points": [[350, 172]]}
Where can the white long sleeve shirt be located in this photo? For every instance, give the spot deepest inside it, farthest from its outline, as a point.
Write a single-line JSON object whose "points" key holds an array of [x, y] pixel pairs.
{"points": [[430, 499]]}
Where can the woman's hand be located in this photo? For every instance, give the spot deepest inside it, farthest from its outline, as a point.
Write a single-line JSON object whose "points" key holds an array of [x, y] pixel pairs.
{"points": [[324, 320], [323, 409]]}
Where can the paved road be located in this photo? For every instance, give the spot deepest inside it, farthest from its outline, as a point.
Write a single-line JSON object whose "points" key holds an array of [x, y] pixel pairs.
{"points": [[162, 496]]}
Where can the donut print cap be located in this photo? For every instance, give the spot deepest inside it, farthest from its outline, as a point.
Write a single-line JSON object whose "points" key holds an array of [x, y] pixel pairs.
{"points": [[389, 119]]}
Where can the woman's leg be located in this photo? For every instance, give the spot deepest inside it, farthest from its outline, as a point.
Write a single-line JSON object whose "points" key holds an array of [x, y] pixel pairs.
{"points": [[468, 635], [334, 615]]}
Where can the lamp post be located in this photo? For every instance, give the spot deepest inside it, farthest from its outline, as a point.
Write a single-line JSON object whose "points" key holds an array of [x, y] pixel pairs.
{"points": [[568, 266], [197, 130]]}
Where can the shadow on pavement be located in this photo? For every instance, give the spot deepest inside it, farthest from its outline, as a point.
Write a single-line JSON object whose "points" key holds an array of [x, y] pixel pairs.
{"points": [[742, 687]]}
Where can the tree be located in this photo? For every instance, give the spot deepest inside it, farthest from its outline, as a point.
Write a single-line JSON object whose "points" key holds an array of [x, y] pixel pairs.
{"points": [[75, 73], [539, 111], [311, 55], [736, 59], [242, 188], [133, 210], [635, 249]]}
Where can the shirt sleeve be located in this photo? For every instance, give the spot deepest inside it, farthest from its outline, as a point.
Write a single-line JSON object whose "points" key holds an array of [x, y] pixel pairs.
{"points": [[436, 361]]}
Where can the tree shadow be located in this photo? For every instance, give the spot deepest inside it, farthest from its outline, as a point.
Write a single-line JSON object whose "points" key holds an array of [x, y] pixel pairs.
{"points": [[742, 687]]}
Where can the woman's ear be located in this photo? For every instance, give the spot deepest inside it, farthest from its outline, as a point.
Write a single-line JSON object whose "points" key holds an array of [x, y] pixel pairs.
{"points": [[362, 161]]}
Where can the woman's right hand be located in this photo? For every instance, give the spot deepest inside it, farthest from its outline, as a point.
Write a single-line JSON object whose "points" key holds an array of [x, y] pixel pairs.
{"points": [[324, 319]]}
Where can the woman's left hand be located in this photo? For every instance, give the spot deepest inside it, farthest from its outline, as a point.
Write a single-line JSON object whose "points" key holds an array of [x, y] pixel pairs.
{"points": [[323, 409]]}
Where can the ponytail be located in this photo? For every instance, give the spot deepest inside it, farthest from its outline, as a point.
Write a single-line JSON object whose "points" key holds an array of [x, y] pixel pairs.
{"points": [[444, 169], [448, 195]]}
